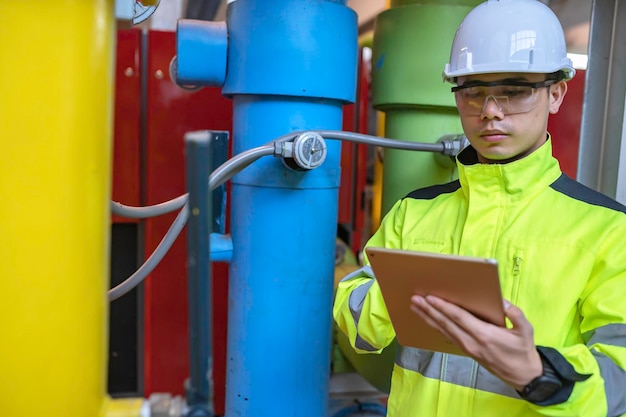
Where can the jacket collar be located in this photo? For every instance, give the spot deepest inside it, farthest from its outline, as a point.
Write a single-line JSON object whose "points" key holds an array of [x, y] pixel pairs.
{"points": [[518, 179]]}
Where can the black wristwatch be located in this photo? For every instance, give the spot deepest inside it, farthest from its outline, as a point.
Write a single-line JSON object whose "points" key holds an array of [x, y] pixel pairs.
{"points": [[542, 387]]}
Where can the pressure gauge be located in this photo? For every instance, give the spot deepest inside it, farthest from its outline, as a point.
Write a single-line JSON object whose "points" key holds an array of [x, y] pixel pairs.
{"points": [[309, 150], [143, 12]]}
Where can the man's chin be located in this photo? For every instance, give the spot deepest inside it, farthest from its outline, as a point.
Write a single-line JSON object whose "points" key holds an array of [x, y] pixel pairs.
{"points": [[498, 156]]}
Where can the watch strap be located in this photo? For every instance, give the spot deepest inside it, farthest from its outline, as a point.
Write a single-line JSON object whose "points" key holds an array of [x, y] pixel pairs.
{"points": [[544, 386], [565, 371]]}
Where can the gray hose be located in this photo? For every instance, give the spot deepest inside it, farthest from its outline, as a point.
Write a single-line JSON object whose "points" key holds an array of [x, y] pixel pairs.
{"points": [[378, 141], [237, 163], [222, 174], [231, 167], [148, 211], [154, 259], [218, 177]]}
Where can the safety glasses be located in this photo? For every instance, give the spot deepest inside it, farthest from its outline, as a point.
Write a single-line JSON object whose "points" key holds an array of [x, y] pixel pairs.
{"points": [[511, 97]]}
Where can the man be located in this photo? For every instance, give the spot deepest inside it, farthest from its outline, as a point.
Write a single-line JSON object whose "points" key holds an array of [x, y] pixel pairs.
{"points": [[559, 245]]}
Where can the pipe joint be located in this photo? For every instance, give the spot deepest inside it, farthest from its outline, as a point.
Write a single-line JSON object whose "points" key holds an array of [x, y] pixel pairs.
{"points": [[452, 145], [201, 53], [199, 411], [221, 247]]}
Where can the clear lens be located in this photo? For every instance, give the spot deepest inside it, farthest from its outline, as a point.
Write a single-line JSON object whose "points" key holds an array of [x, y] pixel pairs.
{"points": [[510, 99]]}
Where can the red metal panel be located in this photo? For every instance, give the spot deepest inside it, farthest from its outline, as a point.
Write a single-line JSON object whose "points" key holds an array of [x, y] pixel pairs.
{"points": [[346, 187], [565, 125], [362, 126], [171, 112], [354, 162], [127, 122]]}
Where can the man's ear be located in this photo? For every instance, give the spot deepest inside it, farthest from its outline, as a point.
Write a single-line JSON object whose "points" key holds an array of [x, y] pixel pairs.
{"points": [[557, 93]]}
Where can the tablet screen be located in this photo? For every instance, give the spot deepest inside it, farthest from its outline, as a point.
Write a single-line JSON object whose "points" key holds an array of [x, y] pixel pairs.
{"points": [[471, 283]]}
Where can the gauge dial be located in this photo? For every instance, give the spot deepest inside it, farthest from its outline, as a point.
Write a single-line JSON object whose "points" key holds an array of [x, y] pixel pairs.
{"points": [[309, 150]]}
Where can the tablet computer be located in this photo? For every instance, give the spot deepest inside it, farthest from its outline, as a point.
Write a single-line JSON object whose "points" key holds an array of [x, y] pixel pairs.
{"points": [[469, 282]]}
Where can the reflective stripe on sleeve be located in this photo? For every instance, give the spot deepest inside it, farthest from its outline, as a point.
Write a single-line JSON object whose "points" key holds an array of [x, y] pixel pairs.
{"points": [[365, 272], [355, 302], [611, 334], [614, 382], [614, 377]]}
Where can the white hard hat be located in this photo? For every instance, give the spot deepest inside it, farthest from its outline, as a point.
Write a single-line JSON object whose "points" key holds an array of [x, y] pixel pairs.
{"points": [[509, 36]]}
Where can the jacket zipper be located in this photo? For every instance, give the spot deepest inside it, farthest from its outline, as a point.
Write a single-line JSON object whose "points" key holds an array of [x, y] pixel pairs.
{"points": [[518, 257]]}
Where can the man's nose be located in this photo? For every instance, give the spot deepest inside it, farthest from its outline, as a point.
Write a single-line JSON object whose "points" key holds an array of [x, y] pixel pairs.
{"points": [[491, 109]]}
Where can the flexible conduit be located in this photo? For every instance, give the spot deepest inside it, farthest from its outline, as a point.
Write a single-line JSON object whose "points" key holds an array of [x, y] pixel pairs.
{"points": [[222, 174], [217, 178]]}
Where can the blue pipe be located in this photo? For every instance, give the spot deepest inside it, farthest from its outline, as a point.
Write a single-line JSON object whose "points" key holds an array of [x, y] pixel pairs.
{"points": [[291, 66], [221, 247], [283, 230]]}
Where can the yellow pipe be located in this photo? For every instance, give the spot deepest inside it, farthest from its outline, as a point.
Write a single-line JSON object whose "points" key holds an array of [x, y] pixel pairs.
{"points": [[56, 81], [377, 186]]}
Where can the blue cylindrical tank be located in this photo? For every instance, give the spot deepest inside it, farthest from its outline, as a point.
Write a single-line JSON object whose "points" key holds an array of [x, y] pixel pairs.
{"points": [[291, 67]]}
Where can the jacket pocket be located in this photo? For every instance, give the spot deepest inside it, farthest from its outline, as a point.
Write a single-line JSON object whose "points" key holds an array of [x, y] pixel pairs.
{"points": [[432, 246]]}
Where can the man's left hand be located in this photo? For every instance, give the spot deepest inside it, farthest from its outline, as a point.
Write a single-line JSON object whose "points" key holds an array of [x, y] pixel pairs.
{"points": [[508, 353]]}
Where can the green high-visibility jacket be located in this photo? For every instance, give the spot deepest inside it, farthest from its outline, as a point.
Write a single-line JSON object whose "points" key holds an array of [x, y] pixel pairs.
{"points": [[561, 250]]}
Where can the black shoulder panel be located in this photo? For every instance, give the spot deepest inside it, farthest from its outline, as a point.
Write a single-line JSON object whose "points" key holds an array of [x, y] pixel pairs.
{"points": [[578, 191], [433, 191]]}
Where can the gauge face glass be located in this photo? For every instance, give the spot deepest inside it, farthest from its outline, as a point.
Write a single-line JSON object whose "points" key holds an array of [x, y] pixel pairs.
{"points": [[310, 151], [142, 12], [313, 148]]}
